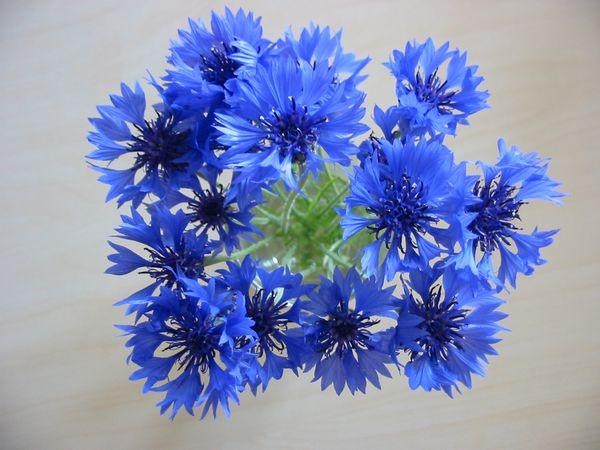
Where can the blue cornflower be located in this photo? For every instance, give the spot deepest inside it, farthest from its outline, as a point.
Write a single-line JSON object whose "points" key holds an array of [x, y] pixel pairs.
{"points": [[404, 203], [188, 349], [347, 345], [205, 61], [429, 103], [163, 152], [171, 252], [283, 115], [319, 47], [272, 301], [226, 210], [494, 216], [455, 331]]}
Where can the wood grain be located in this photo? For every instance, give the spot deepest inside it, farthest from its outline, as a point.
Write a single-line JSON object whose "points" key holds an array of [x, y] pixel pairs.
{"points": [[63, 380]]}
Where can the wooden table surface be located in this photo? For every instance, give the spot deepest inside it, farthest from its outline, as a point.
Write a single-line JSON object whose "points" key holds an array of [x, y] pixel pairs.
{"points": [[63, 379]]}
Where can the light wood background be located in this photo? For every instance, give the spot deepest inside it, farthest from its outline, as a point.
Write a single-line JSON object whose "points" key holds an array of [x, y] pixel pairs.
{"points": [[63, 379]]}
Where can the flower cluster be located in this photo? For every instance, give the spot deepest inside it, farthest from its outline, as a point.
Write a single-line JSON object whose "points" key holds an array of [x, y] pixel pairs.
{"points": [[237, 203]]}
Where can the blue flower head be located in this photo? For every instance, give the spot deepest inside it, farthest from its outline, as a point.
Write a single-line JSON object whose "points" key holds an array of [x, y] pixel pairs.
{"points": [[162, 151], [346, 345], [494, 219], [455, 331], [225, 210], [272, 301], [404, 203], [282, 116], [319, 47], [190, 350], [171, 252], [205, 61], [428, 102]]}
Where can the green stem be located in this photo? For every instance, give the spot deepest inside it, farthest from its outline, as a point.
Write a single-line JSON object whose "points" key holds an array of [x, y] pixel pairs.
{"points": [[267, 214], [336, 258], [330, 176], [333, 226], [289, 203], [320, 194], [334, 200]]}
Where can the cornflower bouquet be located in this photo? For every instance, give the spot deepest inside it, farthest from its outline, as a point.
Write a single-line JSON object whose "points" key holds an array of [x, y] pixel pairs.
{"points": [[271, 230]]}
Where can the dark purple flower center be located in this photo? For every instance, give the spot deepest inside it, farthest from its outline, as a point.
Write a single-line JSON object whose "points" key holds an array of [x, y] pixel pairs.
{"points": [[293, 132], [159, 146], [166, 265], [433, 91], [402, 211], [217, 67], [442, 321], [496, 212], [343, 330], [269, 322], [194, 340], [209, 208]]}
